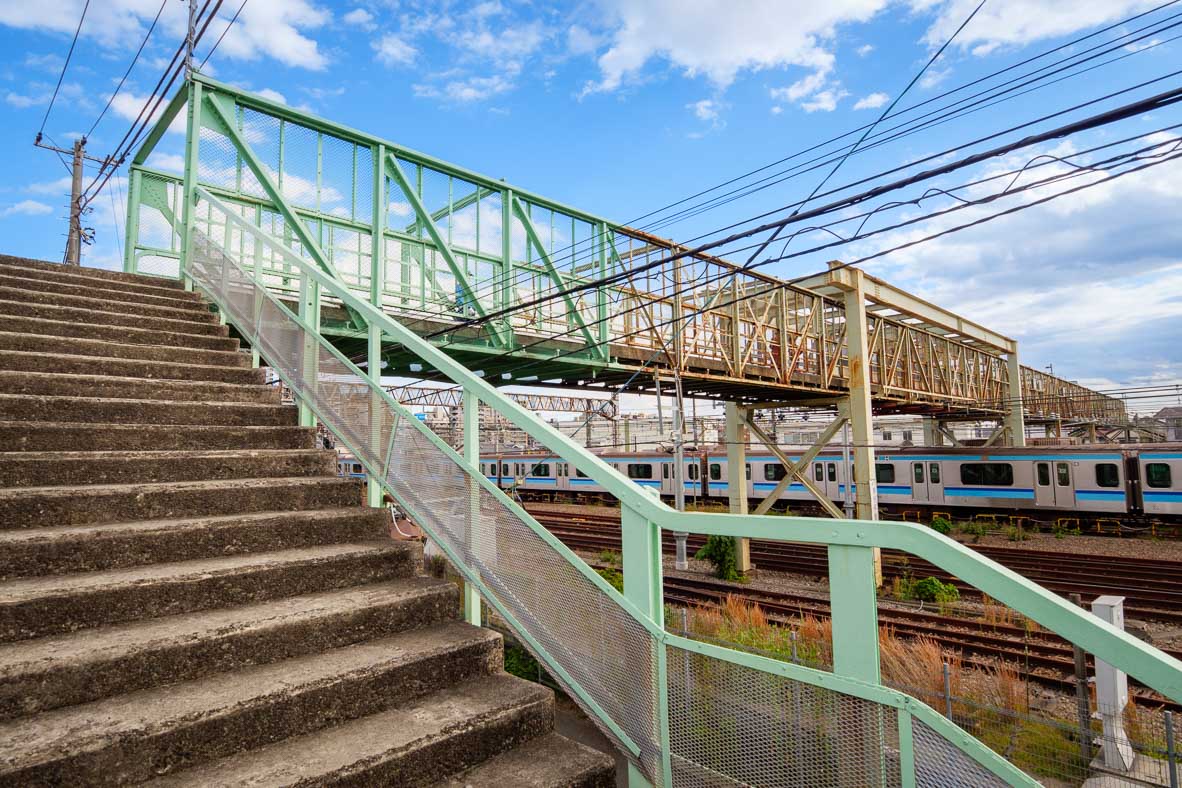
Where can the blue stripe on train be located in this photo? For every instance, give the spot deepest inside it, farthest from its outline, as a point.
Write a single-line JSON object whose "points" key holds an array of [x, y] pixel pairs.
{"points": [[1099, 495], [1162, 497], [990, 492]]}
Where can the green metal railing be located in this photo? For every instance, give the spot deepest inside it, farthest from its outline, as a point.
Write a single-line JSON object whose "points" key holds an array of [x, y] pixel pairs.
{"points": [[722, 716]]}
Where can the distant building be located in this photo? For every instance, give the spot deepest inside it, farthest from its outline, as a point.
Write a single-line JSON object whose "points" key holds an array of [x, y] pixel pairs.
{"points": [[1171, 419]]}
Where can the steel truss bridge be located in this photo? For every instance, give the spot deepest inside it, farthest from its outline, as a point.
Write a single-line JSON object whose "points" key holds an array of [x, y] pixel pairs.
{"points": [[435, 245]]}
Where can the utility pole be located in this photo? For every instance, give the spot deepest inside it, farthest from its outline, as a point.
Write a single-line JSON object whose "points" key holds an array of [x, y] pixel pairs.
{"points": [[190, 37], [682, 559], [74, 240]]}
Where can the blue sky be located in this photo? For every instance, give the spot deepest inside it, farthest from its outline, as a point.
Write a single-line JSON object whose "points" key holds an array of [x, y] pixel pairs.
{"points": [[623, 106]]}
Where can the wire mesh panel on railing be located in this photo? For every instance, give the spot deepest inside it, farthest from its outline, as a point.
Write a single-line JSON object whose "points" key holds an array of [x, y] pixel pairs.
{"points": [[584, 631], [940, 764], [734, 725]]}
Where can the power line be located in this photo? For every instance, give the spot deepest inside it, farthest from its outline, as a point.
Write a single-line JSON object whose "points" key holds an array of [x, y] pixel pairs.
{"points": [[65, 65], [217, 43], [127, 73]]}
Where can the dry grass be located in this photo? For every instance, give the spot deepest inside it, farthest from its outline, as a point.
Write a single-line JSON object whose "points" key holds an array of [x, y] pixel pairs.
{"points": [[996, 614]]}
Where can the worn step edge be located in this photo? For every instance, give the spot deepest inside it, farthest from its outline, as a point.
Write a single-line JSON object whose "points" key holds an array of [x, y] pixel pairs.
{"points": [[98, 410], [549, 761], [58, 550], [115, 387], [94, 316], [415, 744], [41, 606], [18, 436], [32, 507], [152, 288], [90, 273], [22, 263], [78, 346], [19, 324], [129, 738], [178, 299], [78, 468], [83, 667], [194, 313], [15, 360]]}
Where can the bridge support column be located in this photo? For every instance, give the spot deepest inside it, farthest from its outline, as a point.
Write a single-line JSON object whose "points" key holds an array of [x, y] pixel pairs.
{"points": [[736, 476], [1015, 418], [932, 436]]}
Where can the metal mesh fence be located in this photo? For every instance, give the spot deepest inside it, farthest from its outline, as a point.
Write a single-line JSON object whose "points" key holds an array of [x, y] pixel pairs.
{"points": [[939, 764], [728, 724]]}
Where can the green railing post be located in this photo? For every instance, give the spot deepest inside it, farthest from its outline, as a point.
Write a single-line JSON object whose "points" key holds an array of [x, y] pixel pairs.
{"points": [[310, 355], [377, 283], [471, 425], [132, 230], [192, 138], [641, 543], [906, 750]]}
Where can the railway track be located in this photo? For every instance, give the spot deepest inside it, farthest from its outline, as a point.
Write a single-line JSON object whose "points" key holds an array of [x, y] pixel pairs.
{"points": [[1043, 657], [1151, 588]]}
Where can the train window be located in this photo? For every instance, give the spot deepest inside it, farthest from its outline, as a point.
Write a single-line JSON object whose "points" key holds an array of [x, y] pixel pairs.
{"points": [[693, 470], [1044, 474], [541, 469], [1107, 475], [832, 472], [774, 471], [934, 472], [1063, 474], [715, 471], [989, 474], [504, 469], [748, 469], [917, 471], [818, 472], [580, 474], [884, 473], [664, 470], [640, 470], [356, 467], [1157, 474]]}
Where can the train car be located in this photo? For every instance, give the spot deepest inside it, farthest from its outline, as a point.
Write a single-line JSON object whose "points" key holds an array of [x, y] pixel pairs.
{"points": [[1098, 481]]}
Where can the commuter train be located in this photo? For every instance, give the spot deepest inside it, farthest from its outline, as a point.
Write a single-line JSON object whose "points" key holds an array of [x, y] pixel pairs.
{"points": [[1137, 482]]}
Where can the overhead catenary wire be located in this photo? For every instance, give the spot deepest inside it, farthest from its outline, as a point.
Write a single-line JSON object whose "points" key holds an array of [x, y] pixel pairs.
{"points": [[127, 73], [230, 24], [931, 119], [65, 65]]}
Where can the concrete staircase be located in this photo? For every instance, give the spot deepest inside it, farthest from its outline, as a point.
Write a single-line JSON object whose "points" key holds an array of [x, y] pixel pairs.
{"points": [[189, 595]]}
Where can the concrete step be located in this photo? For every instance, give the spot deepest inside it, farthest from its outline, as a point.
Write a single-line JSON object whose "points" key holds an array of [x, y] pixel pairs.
{"points": [[18, 436], [42, 507], [110, 278], [82, 667], [72, 346], [32, 407], [128, 368], [77, 468], [105, 278], [107, 315], [58, 550], [412, 745], [134, 737], [191, 312], [549, 761], [18, 324], [107, 387], [41, 282], [41, 606]]}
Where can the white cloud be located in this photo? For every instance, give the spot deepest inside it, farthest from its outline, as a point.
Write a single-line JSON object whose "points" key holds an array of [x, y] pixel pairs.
{"points": [[26, 208], [720, 38], [801, 87], [873, 101], [579, 41], [59, 186], [265, 28], [1018, 22], [824, 101], [359, 17], [170, 162], [394, 51], [272, 95], [128, 105], [864, 50], [466, 90], [705, 109]]}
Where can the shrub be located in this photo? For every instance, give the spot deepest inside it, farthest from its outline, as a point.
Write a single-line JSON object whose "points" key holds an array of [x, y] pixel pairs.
{"points": [[609, 557], [930, 589], [974, 529], [941, 525], [720, 551], [613, 576], [1015, 533]]}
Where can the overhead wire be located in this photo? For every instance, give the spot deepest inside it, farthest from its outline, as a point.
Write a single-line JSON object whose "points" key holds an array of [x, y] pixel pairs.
{"points": [[65, 65], [230, 24], [127, 73]]}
